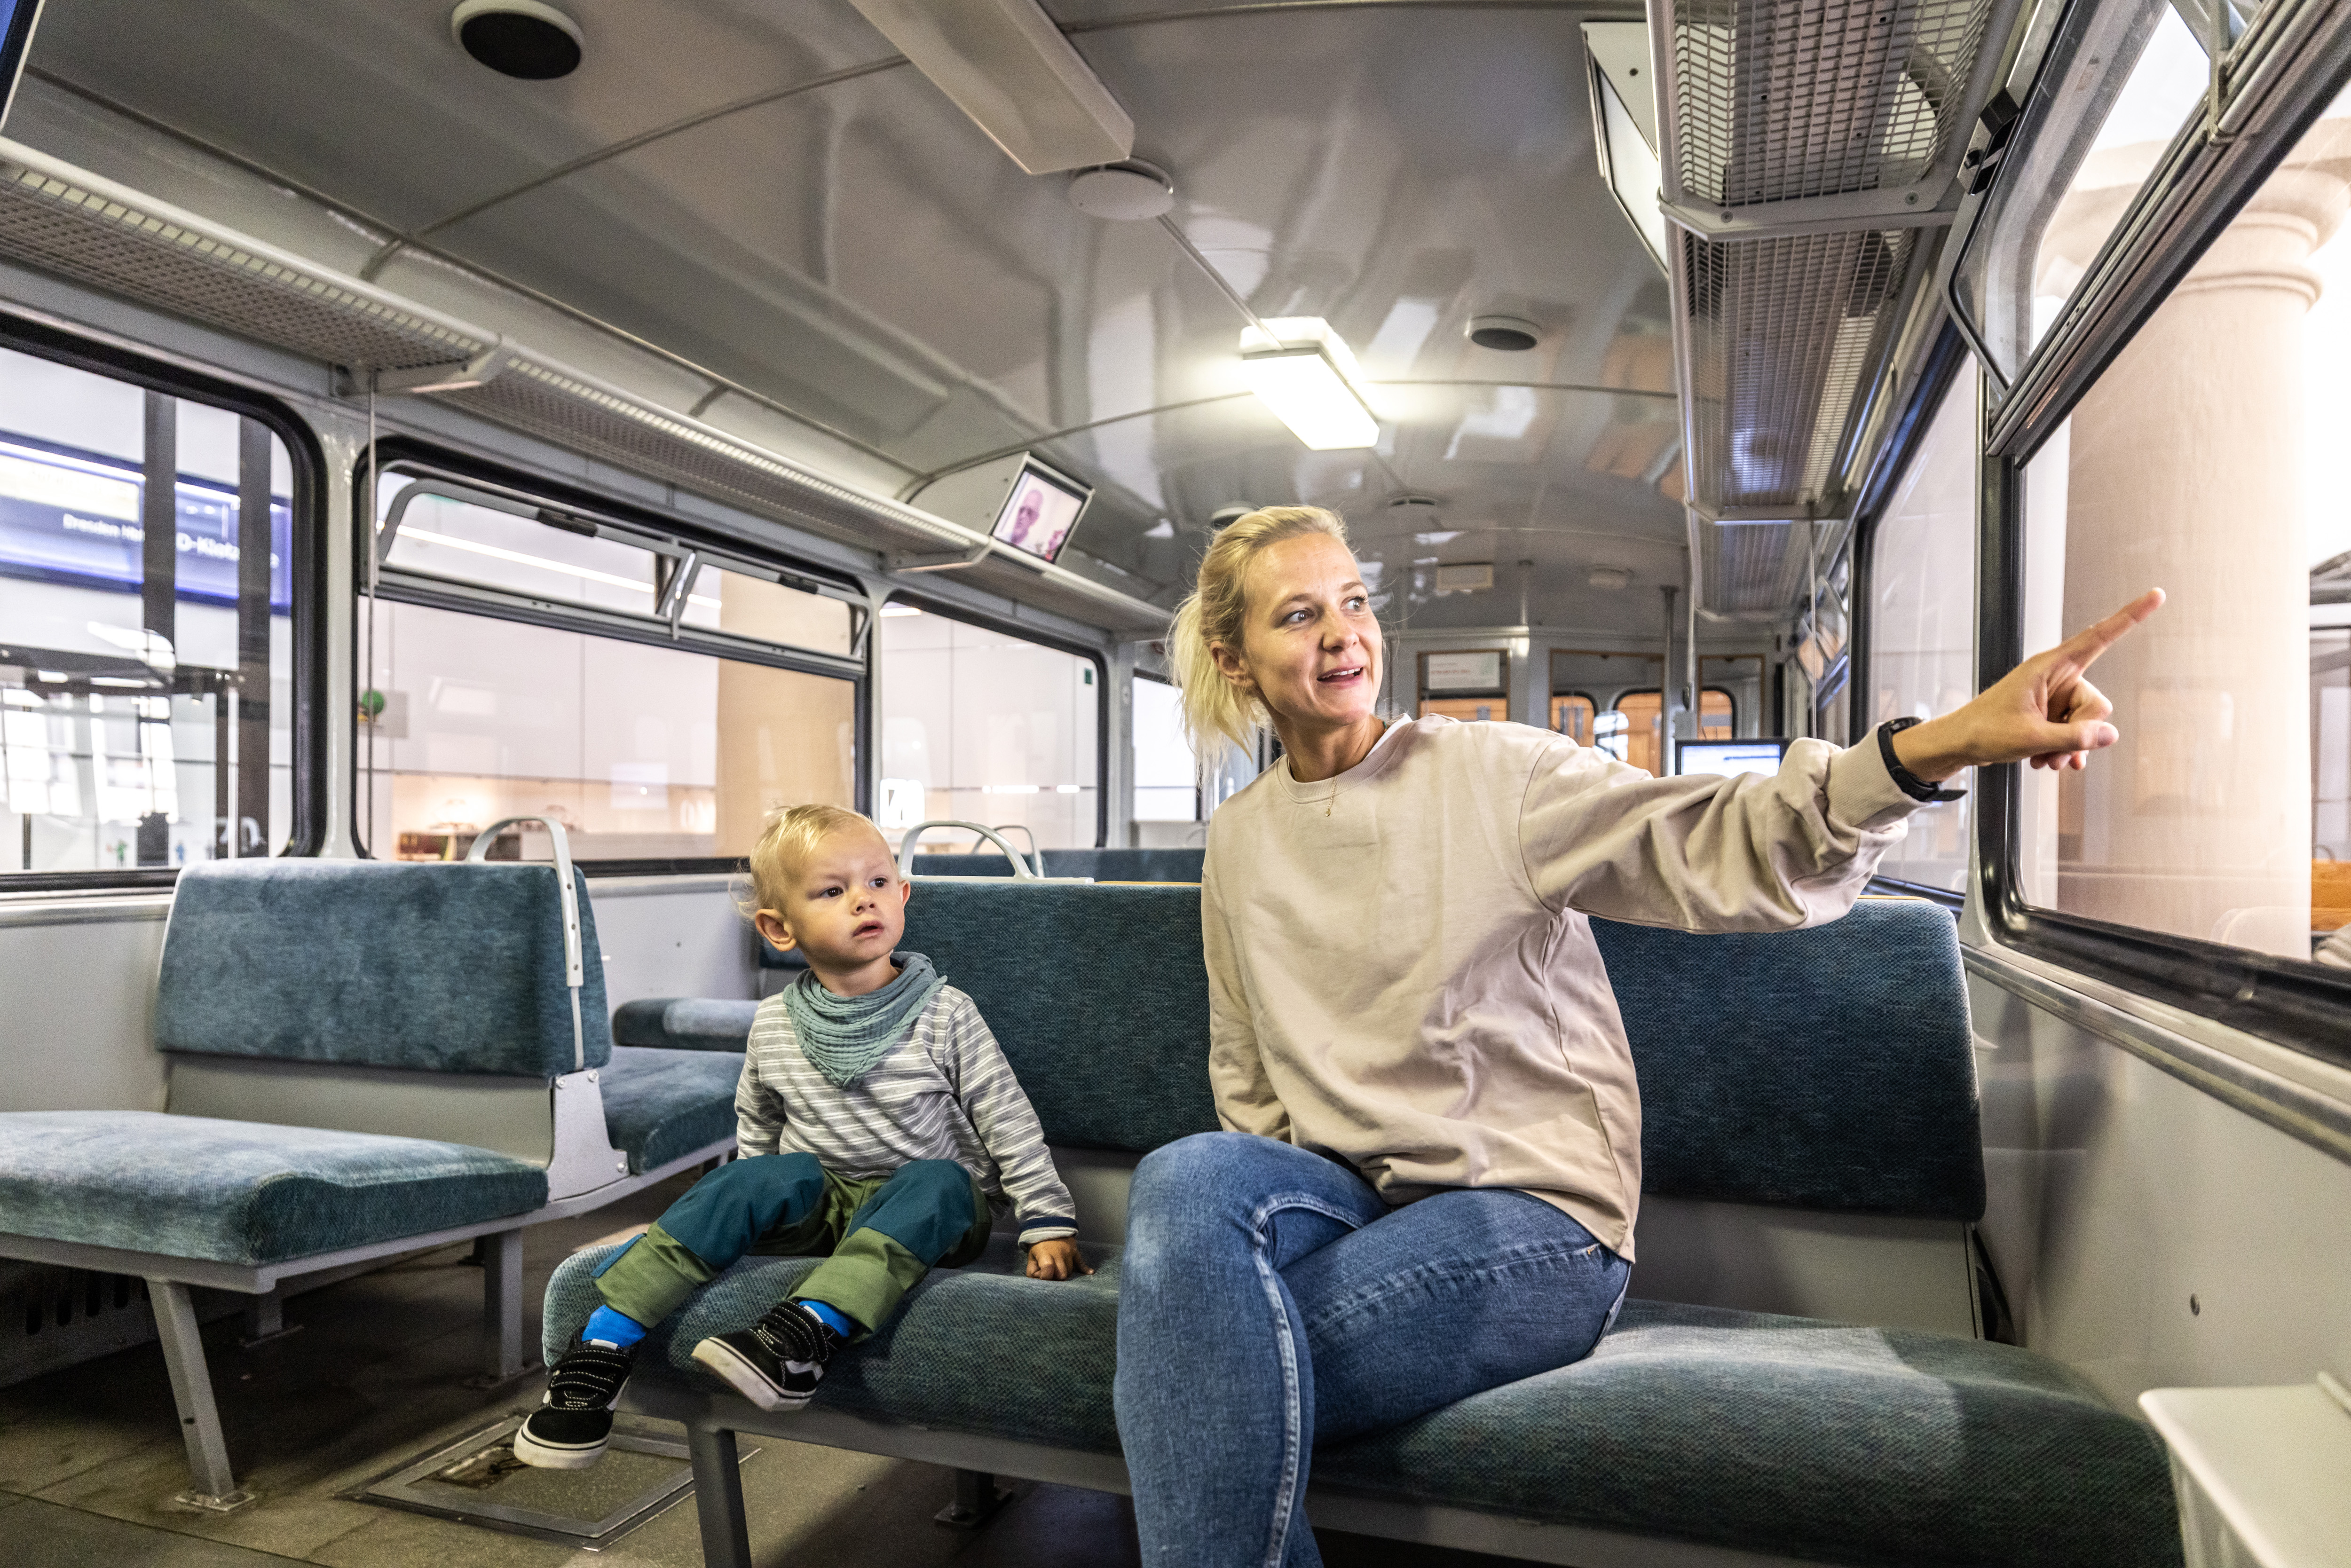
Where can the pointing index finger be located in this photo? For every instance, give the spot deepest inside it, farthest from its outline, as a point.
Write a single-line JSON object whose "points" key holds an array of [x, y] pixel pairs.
{"points": [[2092, 640]]}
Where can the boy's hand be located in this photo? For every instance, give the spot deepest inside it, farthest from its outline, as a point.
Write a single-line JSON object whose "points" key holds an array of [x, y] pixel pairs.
{"points": [[1056, 1259]]}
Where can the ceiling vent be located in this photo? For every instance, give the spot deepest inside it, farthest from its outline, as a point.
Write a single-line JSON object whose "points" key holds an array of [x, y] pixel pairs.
{"points": [[1469, 578], [521, 39], [1805, 155]]}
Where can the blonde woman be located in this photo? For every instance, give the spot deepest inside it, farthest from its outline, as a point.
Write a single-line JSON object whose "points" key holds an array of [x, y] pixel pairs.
{"points": [[1432, 1161]]}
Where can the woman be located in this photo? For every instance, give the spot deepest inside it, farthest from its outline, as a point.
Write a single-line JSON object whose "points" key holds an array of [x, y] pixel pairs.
{"points": [[1431, 1169]]}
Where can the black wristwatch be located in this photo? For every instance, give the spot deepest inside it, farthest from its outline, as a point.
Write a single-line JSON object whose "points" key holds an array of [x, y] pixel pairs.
{"points": [[1917, 789]]}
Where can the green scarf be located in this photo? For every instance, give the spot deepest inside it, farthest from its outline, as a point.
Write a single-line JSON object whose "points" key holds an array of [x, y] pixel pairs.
{"points": [[843, 1036]]}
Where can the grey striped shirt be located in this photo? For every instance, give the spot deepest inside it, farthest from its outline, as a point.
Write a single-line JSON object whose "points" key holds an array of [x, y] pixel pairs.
{"points": [[946, 1093]]}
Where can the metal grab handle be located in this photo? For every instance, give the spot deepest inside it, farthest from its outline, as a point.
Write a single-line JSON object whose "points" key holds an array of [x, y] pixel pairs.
{"points": [[574, 966], [1020, 871]]}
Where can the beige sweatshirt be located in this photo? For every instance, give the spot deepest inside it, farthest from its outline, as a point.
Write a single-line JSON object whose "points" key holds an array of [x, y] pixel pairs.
{"points": [[1400, 969]]}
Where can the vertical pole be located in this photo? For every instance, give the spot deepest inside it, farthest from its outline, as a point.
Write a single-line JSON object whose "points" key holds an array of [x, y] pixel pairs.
{"points": [[191, 1392], [255, 539], [158, 518], [718, 1496], [159, 521], [1668, 690]]}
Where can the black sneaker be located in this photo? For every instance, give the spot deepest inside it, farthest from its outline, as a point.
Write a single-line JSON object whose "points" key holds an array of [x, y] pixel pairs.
{"points": [[570, 1429], [777, 1361]]}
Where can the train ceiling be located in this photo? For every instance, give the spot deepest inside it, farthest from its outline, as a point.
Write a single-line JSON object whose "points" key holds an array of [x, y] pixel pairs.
{"points": [[768, 193]]}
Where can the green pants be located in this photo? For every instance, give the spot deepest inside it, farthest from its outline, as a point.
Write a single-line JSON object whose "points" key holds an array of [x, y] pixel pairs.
{"points": [[878, 1237]]}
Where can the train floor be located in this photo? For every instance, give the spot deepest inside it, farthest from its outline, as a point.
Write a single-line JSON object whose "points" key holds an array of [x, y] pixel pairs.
{"points": [[376, 1379]]}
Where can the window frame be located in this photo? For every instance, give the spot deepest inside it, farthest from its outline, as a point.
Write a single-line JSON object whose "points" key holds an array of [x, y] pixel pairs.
{"points": [[717, 546], [1004, 627], [307, 583], [2295, 1003], [1937, 379]]}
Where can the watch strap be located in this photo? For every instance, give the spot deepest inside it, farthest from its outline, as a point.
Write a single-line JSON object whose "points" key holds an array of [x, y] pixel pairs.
{"points": [[1909, 783]]}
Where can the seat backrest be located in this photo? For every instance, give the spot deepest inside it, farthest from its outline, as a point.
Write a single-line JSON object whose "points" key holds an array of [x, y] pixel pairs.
{"points": [[1102, 865], [1831, 1068], [1096, 994], [442, 968]]}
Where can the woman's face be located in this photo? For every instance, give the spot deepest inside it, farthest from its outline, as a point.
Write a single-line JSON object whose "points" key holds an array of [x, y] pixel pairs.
{"points": [[1309, 643]]}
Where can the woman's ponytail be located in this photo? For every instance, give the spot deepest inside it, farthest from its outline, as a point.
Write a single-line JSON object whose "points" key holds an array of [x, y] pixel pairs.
{"points": [[1213, 612]]}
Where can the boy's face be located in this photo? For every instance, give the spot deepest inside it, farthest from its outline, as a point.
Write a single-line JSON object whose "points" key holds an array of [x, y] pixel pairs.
{"points": [[846, 905]]}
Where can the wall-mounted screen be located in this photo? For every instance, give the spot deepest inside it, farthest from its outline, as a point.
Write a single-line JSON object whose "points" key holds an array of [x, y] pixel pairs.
{"points": [[1759, 755], [1476, 672], [16, 36], [1040, 510]]}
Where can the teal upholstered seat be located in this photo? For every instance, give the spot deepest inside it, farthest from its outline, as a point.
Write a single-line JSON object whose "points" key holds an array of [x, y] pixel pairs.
{"points": [[683, 1023], [1102, 865], [241, 1192], [662, 1106], [1775, 1435]]}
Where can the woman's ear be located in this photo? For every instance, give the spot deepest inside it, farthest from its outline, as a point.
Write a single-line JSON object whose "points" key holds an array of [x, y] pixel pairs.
{"points": [[771, 926], [1235, 669]]}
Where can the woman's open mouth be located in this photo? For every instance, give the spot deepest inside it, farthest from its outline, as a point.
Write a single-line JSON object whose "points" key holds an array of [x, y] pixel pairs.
{"points": [[1340, 677]]}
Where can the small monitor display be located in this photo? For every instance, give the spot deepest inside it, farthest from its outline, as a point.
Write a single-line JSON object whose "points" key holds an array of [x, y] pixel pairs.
{"points": [[15, 35], [1039, 511], [1757, 755]]}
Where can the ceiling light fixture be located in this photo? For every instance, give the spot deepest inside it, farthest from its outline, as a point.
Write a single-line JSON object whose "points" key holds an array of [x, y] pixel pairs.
{"points": [[1303, 372], [1223, 518], [1122, 192], [527, 39], [1609, 577], [1006, 65]]}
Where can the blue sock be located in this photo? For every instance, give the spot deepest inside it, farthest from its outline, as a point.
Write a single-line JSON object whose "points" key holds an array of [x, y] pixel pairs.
{"points": [[616, 1329], [831, 1317]]}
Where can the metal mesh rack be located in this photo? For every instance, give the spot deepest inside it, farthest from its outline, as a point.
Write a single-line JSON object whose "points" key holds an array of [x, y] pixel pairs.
{"points": [[1781, 99], [1782, 336]]}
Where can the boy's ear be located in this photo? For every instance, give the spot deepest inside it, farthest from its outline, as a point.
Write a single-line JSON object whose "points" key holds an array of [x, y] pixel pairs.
{"points": [[906, 890], [771, 926]]}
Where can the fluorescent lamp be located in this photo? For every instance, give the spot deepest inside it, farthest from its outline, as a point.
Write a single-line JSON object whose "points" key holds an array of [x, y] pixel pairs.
{"points": [[1304, 373], [1006, 65]]}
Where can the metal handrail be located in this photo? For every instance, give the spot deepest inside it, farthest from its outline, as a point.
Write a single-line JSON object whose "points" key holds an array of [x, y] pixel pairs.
{"points": [[1020, 869], [574, 966]]}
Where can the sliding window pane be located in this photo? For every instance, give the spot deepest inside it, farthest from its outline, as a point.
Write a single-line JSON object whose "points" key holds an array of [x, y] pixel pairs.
{"points": [[723, 599], [1166, 774], [641, 752], [2206, 461], [440, 537], [1922, 606], [145, 656], [979, 726]]}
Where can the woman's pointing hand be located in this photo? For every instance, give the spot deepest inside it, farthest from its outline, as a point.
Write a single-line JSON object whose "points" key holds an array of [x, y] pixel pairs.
{"points": [[2046, 710]]}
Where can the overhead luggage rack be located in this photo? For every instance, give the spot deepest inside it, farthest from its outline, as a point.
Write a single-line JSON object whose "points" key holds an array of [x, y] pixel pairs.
{"points": [[1808, 151], [80, 226]]}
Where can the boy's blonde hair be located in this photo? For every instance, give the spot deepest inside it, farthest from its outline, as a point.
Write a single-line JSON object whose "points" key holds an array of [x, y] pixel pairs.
{"points": [[790, 837], [1213, 613]]}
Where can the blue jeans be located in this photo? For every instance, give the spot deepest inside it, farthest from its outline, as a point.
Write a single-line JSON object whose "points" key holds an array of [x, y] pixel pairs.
{"points": [[1269, 1298]]}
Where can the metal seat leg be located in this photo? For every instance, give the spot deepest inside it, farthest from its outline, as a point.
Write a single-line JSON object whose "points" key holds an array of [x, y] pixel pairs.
{"points": [[503, 1357], [718, 1496], [215, 1490]]}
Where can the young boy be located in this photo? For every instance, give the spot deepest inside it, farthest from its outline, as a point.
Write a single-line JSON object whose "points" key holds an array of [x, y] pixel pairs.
{"points": [[878, 1119]]}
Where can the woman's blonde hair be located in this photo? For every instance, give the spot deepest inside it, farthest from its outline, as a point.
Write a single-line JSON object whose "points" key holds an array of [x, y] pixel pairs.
{"points": [[1213, 613]]}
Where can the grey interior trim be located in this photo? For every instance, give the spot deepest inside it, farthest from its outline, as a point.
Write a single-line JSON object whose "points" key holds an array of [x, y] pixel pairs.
{"points": [[601, 888], [83, 909], [506, 1114], [1424, 1523], [2308, 1115]]}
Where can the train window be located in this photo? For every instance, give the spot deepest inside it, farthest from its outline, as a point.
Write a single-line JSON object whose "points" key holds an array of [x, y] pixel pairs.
{"points": [[1645, 744], [1167, 775], [980, 726], [2205, 460], [524, 661], [1920, 589], [146, 653], [2103, 134]]}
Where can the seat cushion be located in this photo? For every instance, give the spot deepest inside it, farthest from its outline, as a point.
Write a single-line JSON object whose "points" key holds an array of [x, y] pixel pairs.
{"points": [[1102, 865], [1831, 1068], [685, 1023], [453, 968], [1776, 1435], [241, 1192], [1096, 994], [663, 1106]]}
